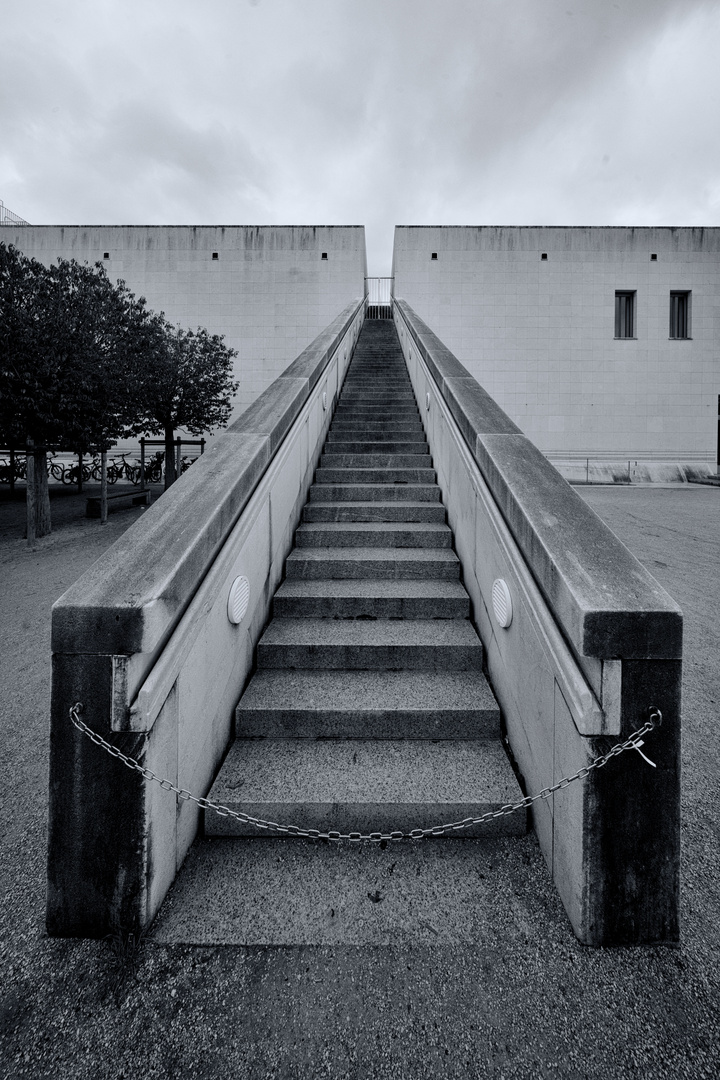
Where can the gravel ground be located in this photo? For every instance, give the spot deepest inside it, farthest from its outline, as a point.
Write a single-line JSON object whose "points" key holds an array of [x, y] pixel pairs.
{"points": [[519, 999]]}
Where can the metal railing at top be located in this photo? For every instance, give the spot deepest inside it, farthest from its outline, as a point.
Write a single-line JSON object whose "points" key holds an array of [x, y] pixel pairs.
{"points": [[378, 297], [8, 218]]}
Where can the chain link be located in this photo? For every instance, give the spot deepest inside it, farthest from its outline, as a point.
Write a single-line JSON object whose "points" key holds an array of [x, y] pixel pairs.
{"points": [[633, 742]]}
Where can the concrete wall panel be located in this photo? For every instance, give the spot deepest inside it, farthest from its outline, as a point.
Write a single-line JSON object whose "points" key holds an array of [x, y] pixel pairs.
{"points": [[269, 292], [538, 334]]}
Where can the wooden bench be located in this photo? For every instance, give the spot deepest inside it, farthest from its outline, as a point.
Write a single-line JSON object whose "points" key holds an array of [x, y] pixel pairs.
{"points": [[119, 500]]}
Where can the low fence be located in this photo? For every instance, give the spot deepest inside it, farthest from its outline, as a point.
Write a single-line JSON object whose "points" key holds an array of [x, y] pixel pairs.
{"points": [[580, 642], [157, 639]]}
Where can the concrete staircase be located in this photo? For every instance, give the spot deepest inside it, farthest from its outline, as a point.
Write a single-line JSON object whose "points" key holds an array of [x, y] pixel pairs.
{"points": [[369, 710]]}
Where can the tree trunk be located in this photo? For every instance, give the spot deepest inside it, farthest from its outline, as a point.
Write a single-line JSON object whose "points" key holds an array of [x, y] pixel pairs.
{"points": [[38, 493], [103, 488], [30, 495], [80, 476], [169, 457]]}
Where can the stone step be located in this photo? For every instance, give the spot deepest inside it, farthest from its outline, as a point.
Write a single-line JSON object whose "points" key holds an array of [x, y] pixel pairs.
{"points": [[353, 442], [377, 386], [345, 492], [378, 644], [379, 411], [370, 460], [387, 564], [376, 446], [367, 598], [368, 430], [377, 408], [374, 476], [368, 705], [352, 785], [364, 399], [410, 534], [369, 511]]}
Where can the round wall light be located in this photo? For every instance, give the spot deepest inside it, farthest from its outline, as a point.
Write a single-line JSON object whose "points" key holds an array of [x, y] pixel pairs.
{"points": [[502, 603], [238, 600]]}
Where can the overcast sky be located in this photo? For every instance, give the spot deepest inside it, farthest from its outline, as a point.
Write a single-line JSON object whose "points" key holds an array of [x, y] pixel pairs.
{"points": [[374, 112]]}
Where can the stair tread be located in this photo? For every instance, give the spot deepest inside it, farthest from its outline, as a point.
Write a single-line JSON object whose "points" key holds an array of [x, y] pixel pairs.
{"points": [[430, 535], [363, 587], [364, 692], [371, 554], [369, 512], [293, 772], [378, 633]]}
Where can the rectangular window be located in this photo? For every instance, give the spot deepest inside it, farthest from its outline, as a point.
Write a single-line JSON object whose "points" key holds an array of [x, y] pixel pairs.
{"points": [[624, 314], [679, 314]]}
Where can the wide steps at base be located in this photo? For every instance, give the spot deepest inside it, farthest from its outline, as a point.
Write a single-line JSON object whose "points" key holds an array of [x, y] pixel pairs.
{"points": [[369, 711], [386, 785]]}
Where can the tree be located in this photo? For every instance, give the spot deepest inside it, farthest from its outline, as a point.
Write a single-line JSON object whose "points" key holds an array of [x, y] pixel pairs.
{"points": [[187, 384], [72, 349], [29, 378]]}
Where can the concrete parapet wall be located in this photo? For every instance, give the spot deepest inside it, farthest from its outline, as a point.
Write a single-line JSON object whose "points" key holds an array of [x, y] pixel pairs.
{"points": [[143, 640], [593, 643]]}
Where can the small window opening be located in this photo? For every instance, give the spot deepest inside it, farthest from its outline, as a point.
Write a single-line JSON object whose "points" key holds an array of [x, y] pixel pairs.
{"points": [[433, 255], [624, 314], [324, 256], [544, 256], [653, 257], [679, 314], [215, 255], [106, 254]]}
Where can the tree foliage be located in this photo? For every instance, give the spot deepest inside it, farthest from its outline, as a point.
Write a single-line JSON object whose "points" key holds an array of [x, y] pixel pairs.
{"points": [[83, 363], [188, 385]]}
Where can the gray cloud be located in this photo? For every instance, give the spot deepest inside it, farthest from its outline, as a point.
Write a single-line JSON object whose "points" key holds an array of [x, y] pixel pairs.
{"points": [[360, 111]]}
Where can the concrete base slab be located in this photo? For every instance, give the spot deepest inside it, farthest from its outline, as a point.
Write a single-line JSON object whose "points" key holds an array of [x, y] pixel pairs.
{"points": [[304, 892]]}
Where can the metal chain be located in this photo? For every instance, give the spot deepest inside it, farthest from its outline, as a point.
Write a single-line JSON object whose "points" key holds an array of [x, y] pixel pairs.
{"points": [[634, 742]]}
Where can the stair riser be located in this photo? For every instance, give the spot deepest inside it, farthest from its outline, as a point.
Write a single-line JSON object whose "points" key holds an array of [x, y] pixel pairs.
{"points": [[318, 724], [375, 493], [370, 432], [370, 657], [366, 818], [381, 411], [298, 569], [374, 476], [350, 607], [416, 447], [369, 460], [432, 538], [397, 512]]}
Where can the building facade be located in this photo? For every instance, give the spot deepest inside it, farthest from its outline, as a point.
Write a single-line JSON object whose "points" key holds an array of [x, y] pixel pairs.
{"points": [[601, 343], [269, 290]]}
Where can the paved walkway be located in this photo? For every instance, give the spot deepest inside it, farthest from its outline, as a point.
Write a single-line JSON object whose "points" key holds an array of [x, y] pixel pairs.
{"points": [[509, 993]]}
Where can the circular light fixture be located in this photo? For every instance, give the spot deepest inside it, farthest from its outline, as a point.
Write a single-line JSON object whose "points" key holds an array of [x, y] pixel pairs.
{"points": [[502, 603], [238, 600]]}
